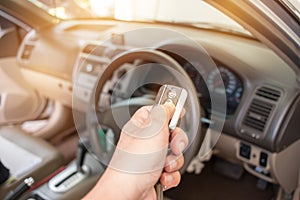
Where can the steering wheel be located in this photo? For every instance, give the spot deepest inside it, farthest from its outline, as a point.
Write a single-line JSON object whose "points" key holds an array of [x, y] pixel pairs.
{"points": [[155, 62]]}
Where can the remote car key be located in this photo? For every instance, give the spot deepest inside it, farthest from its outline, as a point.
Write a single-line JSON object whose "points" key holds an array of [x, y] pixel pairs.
{"points": [[177, 96]]}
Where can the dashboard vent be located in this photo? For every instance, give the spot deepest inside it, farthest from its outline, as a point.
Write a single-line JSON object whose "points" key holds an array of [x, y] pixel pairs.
{"points": [[94, 49], [268, 93], [258, 115]]}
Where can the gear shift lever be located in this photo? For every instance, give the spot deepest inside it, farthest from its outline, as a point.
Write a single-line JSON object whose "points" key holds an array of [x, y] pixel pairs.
{"points": [[74, 173], [81, 152]]}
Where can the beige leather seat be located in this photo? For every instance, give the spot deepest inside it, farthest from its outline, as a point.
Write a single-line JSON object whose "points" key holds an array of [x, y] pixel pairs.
{"points": [[26, 156]]}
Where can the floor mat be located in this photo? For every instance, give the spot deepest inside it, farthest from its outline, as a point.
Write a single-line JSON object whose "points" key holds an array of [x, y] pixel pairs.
{"points": [[210, 185]]}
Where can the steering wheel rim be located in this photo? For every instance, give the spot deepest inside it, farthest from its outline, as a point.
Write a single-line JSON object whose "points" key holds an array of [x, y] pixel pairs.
{"points": [[155, 56]]}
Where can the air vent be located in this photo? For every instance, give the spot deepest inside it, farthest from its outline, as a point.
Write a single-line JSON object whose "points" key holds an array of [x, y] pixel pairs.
{"points": [[94, 49], [258, 115], [268, 93]]}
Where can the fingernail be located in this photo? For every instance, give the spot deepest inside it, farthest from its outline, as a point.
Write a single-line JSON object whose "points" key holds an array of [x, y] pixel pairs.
{"points": [[181, 146], [168, 178], [173, 165]]}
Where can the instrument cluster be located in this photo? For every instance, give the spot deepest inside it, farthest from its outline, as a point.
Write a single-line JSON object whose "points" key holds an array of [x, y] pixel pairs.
{"points": [[218, 82]]}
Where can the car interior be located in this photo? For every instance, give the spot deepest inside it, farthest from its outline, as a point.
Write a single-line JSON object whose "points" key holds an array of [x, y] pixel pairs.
{"points": [[72, 73]]}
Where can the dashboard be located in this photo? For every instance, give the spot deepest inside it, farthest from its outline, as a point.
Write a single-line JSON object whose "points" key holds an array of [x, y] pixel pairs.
{"points": [[76, 55], [262, 94]]}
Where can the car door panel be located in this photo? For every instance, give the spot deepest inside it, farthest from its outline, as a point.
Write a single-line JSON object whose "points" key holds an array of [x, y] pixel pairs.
{"points": [[18, 101]]}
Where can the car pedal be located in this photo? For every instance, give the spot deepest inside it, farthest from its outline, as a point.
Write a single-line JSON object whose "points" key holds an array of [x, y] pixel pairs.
{"points": [[261, 184], [228, 169]]}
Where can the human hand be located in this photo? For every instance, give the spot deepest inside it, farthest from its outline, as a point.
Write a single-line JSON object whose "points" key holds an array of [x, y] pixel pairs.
{"points": [[141, 159]]}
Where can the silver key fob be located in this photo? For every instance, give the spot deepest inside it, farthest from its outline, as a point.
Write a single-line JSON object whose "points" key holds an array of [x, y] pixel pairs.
{"points": [[175, 95]]}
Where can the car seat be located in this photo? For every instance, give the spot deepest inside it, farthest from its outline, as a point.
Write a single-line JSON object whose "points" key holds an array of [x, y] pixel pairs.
{"points": [[25, 156]]}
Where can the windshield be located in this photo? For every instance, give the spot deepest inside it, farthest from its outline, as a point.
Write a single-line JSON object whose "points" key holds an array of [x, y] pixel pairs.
{"points": [[189, 12]]}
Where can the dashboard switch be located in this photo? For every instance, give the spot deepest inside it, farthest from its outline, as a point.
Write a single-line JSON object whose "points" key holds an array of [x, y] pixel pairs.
{"points": [[263, 160], [245, 151]]}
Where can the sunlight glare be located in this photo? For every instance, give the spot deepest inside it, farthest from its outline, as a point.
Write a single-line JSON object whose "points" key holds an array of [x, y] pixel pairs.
{"points": [[59, 12], [103, 8], [124, 10]]}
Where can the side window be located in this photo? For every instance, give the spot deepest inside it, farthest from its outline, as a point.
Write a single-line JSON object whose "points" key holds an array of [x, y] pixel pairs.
{"points": [[10, 38]]}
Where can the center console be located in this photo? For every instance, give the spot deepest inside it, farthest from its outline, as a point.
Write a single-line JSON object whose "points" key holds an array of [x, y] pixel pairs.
{"points": [[73, 182]]}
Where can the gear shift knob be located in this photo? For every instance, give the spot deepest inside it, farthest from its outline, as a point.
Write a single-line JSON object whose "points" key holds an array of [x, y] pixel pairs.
{"points": [[81, 152]]}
